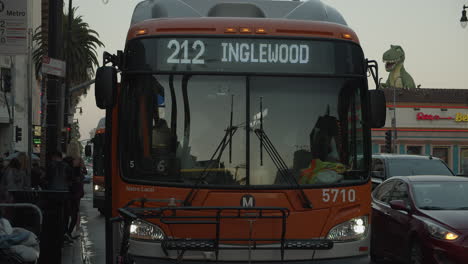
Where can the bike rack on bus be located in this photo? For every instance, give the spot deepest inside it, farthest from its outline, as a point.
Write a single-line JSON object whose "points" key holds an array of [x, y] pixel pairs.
{"points": [[214, 216]]}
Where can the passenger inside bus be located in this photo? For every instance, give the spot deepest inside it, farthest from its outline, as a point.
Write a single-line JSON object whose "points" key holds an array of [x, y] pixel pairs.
{"points": [[325, 166]]}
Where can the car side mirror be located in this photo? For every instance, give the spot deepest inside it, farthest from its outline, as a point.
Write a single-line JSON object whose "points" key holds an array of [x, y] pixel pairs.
{"points": [[399, 205], [105, 87], [378, 108]]}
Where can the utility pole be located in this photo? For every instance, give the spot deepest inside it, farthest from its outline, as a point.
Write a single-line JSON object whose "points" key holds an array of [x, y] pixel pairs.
{"points": [[67, 100], [54, 115]]}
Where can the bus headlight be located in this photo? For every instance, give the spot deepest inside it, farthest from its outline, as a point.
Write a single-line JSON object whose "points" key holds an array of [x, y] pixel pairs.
{"points": [[354, 229], [141, 230], [99, 188]]}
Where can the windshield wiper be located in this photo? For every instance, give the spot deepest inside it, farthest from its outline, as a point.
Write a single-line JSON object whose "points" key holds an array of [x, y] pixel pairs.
{"points": [[432, 208], [227, 140], [281, 166]]}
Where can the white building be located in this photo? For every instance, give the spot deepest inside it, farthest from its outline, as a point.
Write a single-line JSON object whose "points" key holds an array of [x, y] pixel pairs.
{"points": [[12, 115]]}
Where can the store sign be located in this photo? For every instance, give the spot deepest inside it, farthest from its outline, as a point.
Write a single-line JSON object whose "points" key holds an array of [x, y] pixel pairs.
{"points": [[13, 27], [459, 117], [423, 116]]}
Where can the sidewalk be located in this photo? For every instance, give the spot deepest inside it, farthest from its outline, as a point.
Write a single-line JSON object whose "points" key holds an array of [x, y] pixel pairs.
{"points": [[72, 253]]}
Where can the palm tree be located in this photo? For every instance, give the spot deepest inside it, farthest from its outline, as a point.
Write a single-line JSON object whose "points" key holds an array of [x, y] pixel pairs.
{"points": [[79, 51]]}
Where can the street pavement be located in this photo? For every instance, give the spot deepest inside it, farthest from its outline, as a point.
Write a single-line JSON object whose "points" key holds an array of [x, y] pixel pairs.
{"points": [[90, 248]]}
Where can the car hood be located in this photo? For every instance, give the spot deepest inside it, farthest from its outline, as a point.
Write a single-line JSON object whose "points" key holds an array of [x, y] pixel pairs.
{"points": [[456, 219]]}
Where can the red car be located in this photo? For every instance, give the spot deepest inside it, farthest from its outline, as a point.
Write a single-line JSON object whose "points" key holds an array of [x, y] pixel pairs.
{"points": [[420, 219]]}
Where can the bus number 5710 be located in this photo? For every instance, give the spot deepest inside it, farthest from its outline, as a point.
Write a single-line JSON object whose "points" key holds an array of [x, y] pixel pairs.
{"points": [[333, 195]]}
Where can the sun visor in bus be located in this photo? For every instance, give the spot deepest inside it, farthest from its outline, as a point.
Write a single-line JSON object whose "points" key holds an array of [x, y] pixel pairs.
{"points": [[315, 10], [150, 9], [235, 10]]}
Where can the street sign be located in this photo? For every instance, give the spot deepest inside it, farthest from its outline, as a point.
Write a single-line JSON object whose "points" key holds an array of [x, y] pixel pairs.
{"points": [[13, 27], [53, 66]]}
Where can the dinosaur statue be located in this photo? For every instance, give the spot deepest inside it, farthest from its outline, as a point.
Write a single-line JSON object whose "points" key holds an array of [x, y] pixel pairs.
{"points": [[398, 77]]}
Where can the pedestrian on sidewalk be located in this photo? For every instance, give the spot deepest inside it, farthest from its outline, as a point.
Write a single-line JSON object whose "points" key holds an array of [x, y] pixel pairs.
{"points": [[76, 193]]}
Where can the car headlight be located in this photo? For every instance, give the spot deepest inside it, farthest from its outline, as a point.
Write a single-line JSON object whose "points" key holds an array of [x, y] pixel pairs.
{"points": [[145, 231], [99, 188], [354, 229], [439, 232]]}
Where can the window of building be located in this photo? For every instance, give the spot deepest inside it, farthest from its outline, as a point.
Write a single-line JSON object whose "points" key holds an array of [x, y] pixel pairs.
{"points": [[441, 153], [414, 150], [383, 150], [464, 160]]}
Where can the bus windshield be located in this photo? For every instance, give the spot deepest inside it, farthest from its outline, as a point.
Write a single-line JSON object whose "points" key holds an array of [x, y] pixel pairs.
{"points": [[241, 130]]}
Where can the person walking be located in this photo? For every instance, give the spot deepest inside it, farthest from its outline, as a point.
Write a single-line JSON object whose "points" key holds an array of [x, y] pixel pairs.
{"points": [[76, 193], [13, 179], [23, 159]]}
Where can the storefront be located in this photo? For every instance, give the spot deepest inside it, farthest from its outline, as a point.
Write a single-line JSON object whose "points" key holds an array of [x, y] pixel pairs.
{"points": [[428, 122]]}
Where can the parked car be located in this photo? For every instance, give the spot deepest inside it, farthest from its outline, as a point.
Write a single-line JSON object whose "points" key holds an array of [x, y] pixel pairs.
{"points": [[385, 166], [420, 219]]}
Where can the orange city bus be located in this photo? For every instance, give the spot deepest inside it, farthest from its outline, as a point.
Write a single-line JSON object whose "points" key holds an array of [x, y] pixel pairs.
{"points": [[239, 132], [98, 167]]}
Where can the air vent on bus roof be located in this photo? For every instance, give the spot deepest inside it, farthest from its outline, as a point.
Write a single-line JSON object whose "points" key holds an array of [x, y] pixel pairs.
{"points": [[316, 10], [162, 8], [235, 10]]}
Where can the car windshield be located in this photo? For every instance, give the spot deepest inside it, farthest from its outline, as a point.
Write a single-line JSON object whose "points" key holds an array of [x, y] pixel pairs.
{"points": [[408, 167], [240, 130], [441, 195]]}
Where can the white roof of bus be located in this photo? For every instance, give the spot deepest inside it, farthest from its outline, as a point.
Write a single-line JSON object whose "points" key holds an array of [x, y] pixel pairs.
{"points": [[313, 10]]}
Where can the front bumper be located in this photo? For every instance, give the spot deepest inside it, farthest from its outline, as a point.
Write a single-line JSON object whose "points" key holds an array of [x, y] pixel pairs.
{"points": [[350, 260], [445, 252], [349, 252]]}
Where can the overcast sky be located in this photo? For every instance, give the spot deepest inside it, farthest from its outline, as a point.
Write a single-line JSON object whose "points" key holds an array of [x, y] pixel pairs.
{"points": [[429, 31]]}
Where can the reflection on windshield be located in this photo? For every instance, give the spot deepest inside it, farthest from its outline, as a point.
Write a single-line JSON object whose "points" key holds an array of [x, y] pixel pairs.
{"points": [[196, 129], [408, 167], [441, 195]]}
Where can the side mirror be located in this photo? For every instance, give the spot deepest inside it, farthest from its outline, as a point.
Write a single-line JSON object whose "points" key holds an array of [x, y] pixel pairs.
{"points": [[399, 205], [105, 87], [378, 108], [88, 151]]}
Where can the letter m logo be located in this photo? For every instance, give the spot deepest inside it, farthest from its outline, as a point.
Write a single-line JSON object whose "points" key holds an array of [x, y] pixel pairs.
{"points": [[247, 201]]}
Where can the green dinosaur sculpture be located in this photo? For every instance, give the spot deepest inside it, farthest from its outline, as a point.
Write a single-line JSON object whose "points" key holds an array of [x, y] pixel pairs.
{"points": [[398, 77]]}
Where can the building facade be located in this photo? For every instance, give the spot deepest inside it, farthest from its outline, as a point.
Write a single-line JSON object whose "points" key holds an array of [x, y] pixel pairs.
{"points": [[427, 122], [14, 102]]}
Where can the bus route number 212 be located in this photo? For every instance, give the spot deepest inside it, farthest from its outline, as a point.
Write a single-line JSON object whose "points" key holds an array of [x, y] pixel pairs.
{"points": [[180, 52], [338, 195]]}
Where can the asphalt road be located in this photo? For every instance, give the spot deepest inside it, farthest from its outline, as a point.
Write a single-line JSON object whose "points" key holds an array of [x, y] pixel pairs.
{"points": [[92, 224]]}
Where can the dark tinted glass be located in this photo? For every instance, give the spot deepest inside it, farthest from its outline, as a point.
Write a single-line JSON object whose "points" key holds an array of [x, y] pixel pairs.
{"points": [[244, 55], [399, 192], [382, 193], [408, 167]]}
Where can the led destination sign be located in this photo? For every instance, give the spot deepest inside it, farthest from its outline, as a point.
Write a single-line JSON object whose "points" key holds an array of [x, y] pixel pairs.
{"points": [[241, 55]]}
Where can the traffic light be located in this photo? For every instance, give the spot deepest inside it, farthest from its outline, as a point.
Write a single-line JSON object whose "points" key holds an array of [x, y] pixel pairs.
{"points": [[18, 133], [388, 141]]}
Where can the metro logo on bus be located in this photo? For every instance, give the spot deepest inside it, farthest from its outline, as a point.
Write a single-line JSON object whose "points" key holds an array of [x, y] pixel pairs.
{"points": [[247, 201]]}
